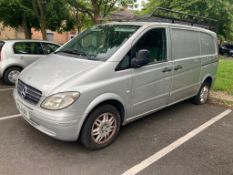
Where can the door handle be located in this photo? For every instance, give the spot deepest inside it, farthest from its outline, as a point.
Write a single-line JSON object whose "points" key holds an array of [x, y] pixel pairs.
{"points": [[166, 69], [178, 67]]}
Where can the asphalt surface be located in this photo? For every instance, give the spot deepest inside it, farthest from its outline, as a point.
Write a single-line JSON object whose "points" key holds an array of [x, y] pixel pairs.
{"points": [[3, 85], [26, 151]]}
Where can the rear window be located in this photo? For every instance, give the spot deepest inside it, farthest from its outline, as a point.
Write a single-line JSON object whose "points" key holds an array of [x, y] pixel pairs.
{"points": [[28, 48], [207, 44], [185, 43], [49, 47]]}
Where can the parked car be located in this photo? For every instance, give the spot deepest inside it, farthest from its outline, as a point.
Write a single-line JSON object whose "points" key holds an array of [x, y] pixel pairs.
{"points": [[113, 74], [226, 49], [17, 54]]}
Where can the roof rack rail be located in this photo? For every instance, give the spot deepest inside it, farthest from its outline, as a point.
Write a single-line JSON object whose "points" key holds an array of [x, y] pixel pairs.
{"points": [[161, 14], [184, 18]]}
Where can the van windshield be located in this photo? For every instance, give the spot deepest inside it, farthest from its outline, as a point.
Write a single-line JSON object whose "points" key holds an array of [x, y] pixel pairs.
{"points": [[100, 42]]}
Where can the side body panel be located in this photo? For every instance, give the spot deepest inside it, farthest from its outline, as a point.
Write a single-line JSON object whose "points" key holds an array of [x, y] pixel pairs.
{"points": [[195, 58], [150, 89], [209, 52], [186, 64], [151, 84]]}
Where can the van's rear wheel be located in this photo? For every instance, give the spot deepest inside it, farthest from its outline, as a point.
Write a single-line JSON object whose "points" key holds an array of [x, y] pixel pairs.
{"points": [[203, 94], [11, 74], [101, 127]]}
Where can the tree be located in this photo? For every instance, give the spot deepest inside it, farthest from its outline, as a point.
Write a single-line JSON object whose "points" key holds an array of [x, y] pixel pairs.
{"points": [[96, 9], [39, 14], [215, 9], [39, 11], [92, 8], [58, 16], [52, 14], [12, 15], [81, 19]]}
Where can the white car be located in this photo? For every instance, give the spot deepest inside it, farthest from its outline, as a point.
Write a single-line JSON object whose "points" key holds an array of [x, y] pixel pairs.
{"points": [[17, 54]]}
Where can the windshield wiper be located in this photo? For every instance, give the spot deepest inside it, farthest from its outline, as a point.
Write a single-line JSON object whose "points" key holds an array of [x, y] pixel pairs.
{"points": [[79, 52], [75, 51]]}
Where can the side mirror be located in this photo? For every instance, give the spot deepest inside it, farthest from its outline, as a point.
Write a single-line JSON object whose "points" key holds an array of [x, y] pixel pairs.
{"points": [[142, 58]]}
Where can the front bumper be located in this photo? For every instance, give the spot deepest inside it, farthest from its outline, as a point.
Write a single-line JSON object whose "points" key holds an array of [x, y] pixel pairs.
{"points": [[63, 129]]}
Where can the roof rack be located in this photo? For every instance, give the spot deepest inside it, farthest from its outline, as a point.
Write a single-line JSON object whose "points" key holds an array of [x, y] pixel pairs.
{"points": [[170, 16], [184, 18]]}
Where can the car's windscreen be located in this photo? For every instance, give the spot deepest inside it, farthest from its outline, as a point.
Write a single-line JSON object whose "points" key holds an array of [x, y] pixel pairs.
{"points": [[100, 42]]}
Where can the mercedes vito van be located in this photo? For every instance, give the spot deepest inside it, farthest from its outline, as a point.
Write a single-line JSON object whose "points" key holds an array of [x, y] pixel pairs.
{"points": [[113, 74]]}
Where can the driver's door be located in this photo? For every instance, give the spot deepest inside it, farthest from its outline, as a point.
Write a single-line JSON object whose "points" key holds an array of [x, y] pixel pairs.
{"points": [[151, 83]]}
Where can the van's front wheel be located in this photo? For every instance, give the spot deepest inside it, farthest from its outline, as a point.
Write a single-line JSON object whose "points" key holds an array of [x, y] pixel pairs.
{"points": [[203, 94], [101, 127]]}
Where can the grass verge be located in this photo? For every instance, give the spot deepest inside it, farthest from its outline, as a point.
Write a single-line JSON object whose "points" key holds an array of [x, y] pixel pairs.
{"points": [[224, 80]]}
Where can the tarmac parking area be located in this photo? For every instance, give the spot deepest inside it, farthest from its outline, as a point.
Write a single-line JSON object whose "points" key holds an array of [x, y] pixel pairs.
{"points": [[24, 150]]}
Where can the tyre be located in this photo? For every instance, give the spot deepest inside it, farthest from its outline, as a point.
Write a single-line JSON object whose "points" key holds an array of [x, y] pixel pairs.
{"points": [[203, 94], [101, 127], [11, 74]]}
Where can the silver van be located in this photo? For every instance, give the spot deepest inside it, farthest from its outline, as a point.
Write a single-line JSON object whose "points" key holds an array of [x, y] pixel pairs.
{"points": [[113, 74]]}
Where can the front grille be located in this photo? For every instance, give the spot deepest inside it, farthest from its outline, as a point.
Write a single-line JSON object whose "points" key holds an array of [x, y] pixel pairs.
{"points": [[28, 93]]}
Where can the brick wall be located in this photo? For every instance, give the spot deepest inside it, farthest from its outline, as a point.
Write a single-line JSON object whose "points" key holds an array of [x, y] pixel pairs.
{"points": [[10, 33], [60, 38]]}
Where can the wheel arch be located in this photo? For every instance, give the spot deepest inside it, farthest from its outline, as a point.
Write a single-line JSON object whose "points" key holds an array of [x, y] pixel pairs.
{"points": [[6, 72], [107, 98], [10, 66], [209, 79]]}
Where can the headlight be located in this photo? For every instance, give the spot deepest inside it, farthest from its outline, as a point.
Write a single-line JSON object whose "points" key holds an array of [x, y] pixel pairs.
{"points": [[60, 100]]}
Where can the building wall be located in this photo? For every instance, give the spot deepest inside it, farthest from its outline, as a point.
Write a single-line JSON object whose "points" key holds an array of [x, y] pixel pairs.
{"points": [[36, 34], [60, 38], [10, 33]]}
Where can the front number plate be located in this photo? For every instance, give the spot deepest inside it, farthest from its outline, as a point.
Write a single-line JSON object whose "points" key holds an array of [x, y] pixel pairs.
{"points": [[23, 111]]}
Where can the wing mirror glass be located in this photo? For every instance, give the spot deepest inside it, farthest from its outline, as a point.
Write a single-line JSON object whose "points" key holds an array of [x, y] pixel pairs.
{"points": [[141, 59]]}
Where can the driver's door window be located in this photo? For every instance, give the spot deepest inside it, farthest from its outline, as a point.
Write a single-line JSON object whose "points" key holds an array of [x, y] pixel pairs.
{"points": [[154, 41]]}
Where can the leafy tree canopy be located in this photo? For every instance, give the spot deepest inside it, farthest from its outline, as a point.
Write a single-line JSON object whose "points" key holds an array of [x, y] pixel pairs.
{"points": [[39, 14], [215, 9], [97, 9]]}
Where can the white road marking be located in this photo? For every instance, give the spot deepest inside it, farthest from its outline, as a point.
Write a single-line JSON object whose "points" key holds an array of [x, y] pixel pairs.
{"points": [[6, 89], [160, 154], [9, 117]]}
